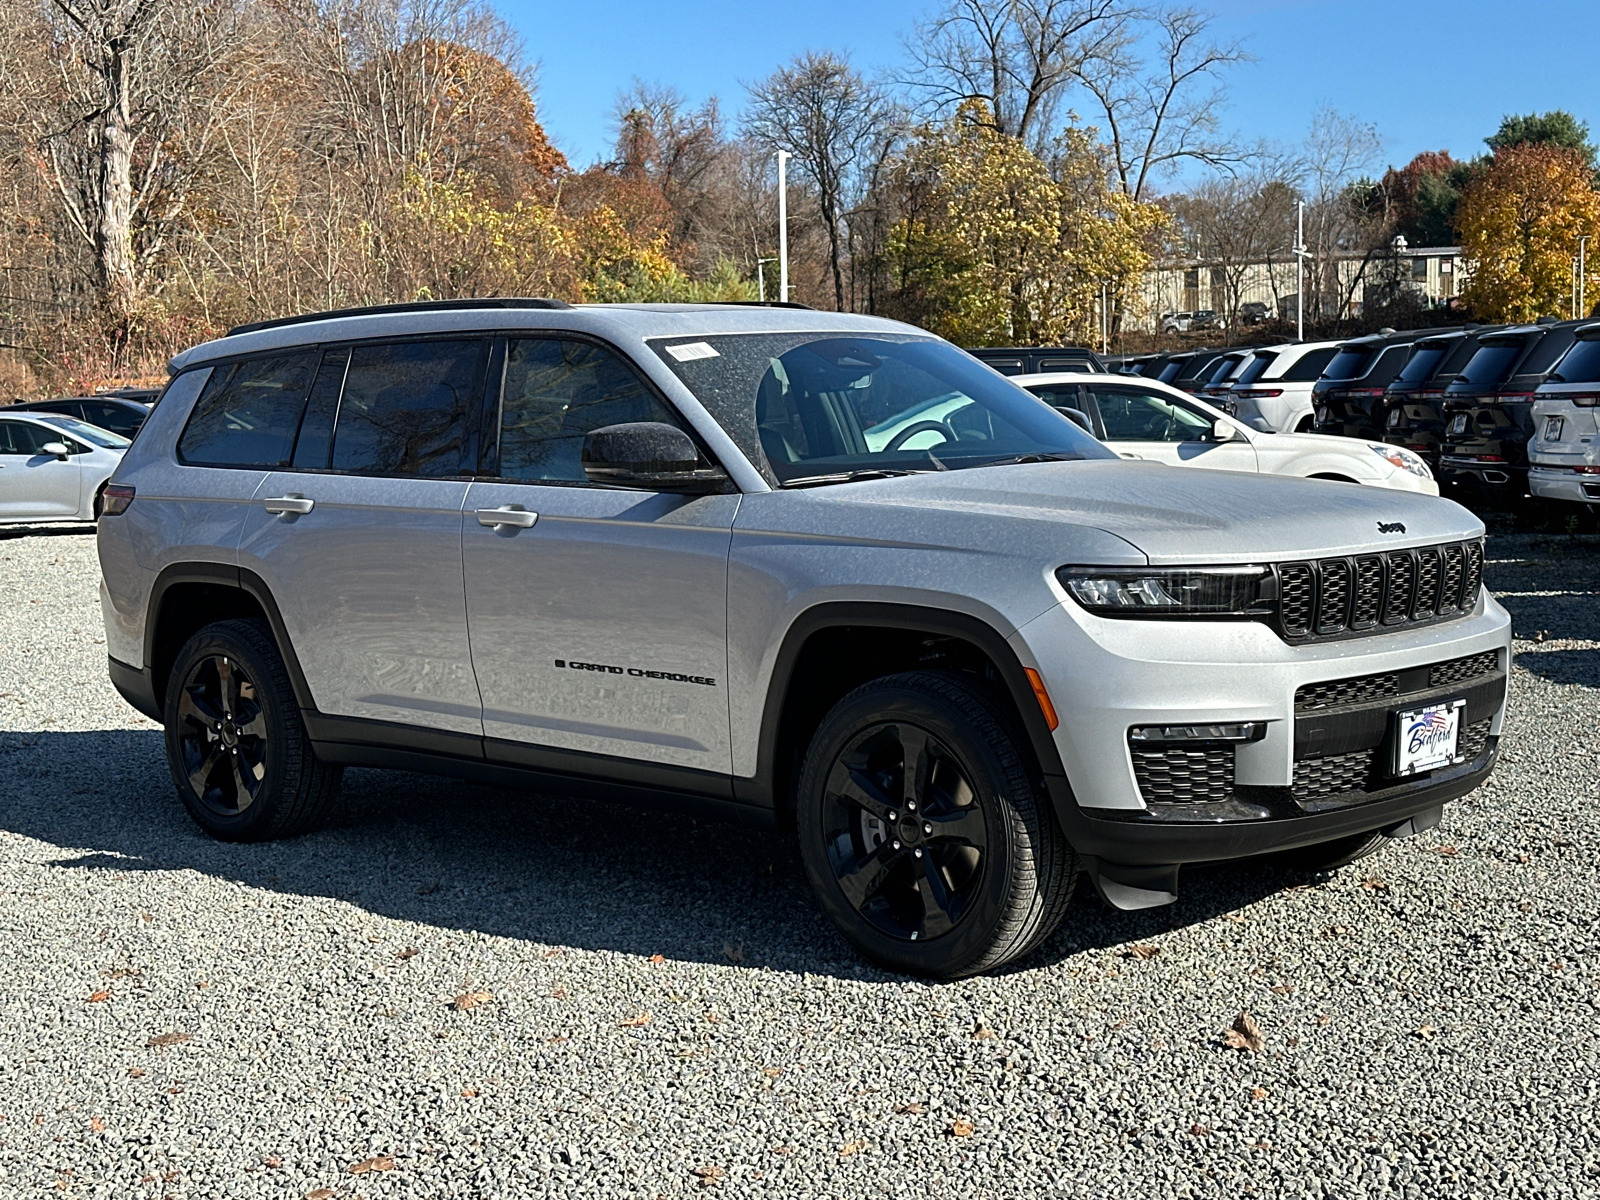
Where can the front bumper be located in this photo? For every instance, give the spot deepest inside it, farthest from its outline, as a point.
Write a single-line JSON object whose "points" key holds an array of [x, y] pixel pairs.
{"points": [[1108, 676]]}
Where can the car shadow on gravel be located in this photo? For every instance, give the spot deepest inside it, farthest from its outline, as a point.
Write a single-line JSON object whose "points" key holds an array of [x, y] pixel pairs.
{"points": [[8, 532], [555, 871]]}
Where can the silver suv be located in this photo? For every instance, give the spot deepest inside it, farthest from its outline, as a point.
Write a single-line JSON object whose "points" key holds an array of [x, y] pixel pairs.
{"points": [[821, 569]]}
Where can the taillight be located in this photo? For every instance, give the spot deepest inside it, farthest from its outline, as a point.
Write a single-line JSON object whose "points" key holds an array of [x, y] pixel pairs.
{"points": [[1581, 399], [1257, 393], [115, 499], [1363, 391], [1488, 458], [1418, 446], [1587, 470]]}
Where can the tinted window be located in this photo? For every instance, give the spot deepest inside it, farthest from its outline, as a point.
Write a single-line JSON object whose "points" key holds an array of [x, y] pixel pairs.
{"points": [[248, 413], [407, 409], [1425, 359], [1254, 368], [114, 417], [19, 437], [809, 405], [1135, 416], [1492, 363], [1581, 365], [1169, 372], [1349, 363], [1221, 371], [1309, 365], [315, 443], [1544, 355], [1388, 365], [95, 435], [556, 391]]}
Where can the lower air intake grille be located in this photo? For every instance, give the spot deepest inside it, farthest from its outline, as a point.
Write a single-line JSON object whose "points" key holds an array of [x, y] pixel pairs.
{"points": [[1346, 691], [1461, 669], [1184, 774], [1357, 771]]}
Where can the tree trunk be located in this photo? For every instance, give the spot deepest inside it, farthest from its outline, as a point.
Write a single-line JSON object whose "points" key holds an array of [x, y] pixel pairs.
{"points": [[114, 236]]}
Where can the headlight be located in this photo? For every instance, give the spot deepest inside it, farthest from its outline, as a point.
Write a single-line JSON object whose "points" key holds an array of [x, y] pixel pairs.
{"points": [[1403, 459], [1172, 591]]}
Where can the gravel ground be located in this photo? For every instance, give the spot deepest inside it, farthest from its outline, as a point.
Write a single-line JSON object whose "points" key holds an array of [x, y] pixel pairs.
{"points": [[653, 1006]]}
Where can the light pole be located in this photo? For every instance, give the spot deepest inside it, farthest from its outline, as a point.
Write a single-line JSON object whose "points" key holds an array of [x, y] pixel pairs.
{"points": [[1300, 270], [1582, 298], [761, 278], [1399, 244], [783, 226]]}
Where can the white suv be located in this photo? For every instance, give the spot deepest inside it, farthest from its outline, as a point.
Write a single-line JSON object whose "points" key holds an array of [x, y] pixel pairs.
{"points": [[1564, 443], [1275, 385]]}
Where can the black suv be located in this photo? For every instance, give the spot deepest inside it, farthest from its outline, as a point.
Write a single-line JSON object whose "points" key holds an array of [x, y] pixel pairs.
{"points": [[1489, 408], [1036, 360], [124, 417], [1348, 399], [1414, 402]]}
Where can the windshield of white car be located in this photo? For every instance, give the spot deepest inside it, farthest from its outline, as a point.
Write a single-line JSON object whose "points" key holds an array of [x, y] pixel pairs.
{"points": [[810, 408], [92, 434]]}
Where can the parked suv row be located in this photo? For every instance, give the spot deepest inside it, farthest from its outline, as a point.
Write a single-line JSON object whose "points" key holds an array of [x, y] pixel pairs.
{"points": [[813, 568]]}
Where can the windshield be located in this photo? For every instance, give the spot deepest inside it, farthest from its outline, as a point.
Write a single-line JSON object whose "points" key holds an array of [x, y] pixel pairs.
{"points": [[1350, 363], [92, 434], [1581, 365], [808, 405], [1424, 360], [1254, 369], [1491, 364]]}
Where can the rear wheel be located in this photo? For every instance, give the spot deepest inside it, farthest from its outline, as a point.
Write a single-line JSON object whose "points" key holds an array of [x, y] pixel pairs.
{"points": [[236, 745], [928, 839]]}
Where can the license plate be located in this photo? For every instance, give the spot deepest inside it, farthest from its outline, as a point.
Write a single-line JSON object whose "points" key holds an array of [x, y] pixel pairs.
{"points": [[1324, 415], [1553, 427], [1459, 425], [1426, 738]]}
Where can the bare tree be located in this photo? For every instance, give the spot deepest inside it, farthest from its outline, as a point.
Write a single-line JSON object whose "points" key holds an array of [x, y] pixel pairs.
{"points": [[821, 110], [1161, 111], [1017, 56], [1336, 152], [1234, 225]]}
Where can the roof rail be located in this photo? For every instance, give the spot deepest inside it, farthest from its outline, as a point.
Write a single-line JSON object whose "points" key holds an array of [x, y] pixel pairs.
{"points": [[765, 304], [375, 310]]}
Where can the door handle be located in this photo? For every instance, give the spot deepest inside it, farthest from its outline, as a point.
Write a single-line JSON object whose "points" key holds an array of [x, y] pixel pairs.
{"points": [[515, 518], [284, 506]]}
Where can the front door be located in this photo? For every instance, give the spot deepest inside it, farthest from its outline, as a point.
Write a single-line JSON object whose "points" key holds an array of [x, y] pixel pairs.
{"points": [[33, 482], [1144, 423], [359, 536], [598, 614]]}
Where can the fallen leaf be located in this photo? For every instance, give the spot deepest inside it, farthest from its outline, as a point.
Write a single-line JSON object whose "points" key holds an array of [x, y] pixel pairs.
{"points": [[121, 973], [1245, 1034], [381, 1162], [558, 1038], [658, 958], [1447, 851], [850, 1148], [1141, 952], [981, 1032], [638, 1022], [1334, 931], [1324, 1019], [552, 953], [203, 983], [135, 1072], [96, 997], [709, 1177], [772, 1072], [321, 1194], [98, 1125], [1258, 1093], [1200, 1130], [961, 1127], [911, 1110], [470, 1000], [713, 1018], [559, 994], [272, 1160], [1374, 884], [170, 1039], [469, 1093], [174, 1091], [408, 952], [1424, 1032], [1284, 989]]}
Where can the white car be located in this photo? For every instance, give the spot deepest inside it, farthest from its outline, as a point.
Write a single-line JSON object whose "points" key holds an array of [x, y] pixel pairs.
{"points": [[1151, 420], [53, 468], [1564, 444], [1272, 390]]}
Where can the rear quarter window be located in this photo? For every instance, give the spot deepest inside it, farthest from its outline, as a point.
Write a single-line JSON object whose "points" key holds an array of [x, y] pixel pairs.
{"points": [[249, 412], [1309, 366]]}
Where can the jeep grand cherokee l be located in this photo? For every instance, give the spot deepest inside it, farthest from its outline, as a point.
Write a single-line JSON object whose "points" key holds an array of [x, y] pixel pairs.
{"points": [[754, 560]]}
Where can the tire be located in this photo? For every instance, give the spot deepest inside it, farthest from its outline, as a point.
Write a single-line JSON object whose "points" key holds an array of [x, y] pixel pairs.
{"points": [[1330, 856], [236, 745], [981, 875]]}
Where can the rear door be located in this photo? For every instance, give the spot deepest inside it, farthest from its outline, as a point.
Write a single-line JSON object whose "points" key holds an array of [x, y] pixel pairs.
{"points": [[358, 536], [1143, 423], [33, 482], [598, 618]]}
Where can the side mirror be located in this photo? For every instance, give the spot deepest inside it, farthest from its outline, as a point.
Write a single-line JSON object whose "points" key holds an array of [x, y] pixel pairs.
{"points": [[1079, 417], [1224, 431], [649, 455], [59, 449]]}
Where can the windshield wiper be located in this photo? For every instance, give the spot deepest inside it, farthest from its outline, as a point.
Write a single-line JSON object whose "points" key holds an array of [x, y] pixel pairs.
{"points": [[850, 476], [1035, 457]]}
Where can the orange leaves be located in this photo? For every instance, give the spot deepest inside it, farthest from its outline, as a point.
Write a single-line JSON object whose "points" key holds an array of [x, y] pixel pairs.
{"points": [[638, 1022], [710, 1176], [98, 997], [379, 1162], [961, 1127], [170, 1039], [468, 1000], [1244, 1034], [1144, 953]]}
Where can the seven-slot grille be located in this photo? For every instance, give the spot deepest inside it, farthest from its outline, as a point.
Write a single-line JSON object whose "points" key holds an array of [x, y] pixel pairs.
{"points": [[1336, 597]]}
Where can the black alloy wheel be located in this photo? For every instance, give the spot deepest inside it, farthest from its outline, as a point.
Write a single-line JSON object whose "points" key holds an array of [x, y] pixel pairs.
{"points": [[925, 829], [907, 840], [236, 743], [223, 734]]}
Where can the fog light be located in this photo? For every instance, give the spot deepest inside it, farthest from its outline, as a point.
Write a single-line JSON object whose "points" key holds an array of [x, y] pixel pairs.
{"points": [[1236, 731]]}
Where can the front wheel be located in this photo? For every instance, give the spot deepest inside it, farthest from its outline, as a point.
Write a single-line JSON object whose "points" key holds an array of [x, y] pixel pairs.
{"points": [[236, 744], [927, 838]]}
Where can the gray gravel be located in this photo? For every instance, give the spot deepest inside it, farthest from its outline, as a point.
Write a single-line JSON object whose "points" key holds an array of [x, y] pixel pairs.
{"points": [[1430, 1015]]}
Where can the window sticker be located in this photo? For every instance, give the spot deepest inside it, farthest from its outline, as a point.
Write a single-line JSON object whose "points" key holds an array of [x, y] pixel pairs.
{"points": [[691, 351]]}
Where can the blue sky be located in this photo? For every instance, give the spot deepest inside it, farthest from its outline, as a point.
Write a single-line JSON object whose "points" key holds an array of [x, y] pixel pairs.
{"points": [[1431, 74]]}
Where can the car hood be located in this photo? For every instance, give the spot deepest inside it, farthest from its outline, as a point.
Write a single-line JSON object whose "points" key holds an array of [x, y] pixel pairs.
{"points": [[1170, 514]]}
